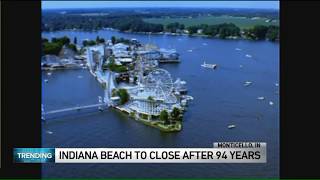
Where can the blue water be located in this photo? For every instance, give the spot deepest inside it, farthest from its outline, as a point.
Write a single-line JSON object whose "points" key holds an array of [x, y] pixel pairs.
{"points": [[220, 99]]}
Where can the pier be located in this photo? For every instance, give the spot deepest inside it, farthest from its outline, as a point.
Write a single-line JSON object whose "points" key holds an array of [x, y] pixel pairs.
{"points": [[102, 104], [73, 108]]}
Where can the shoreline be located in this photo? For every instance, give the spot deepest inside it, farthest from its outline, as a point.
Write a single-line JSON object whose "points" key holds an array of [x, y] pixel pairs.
{"points": [[59, 68], [165, 33], [153, 123]]}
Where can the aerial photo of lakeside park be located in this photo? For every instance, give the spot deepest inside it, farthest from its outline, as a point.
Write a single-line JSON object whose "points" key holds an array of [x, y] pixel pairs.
{"points": [[160, 74]]}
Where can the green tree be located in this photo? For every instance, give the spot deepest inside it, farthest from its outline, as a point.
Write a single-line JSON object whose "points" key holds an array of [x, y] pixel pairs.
{"points": [[84, 43], [124, 96], [227, 29], [98, 39], [176, 114], [101, 40], [173, 27], [63, 40], [73, 47], [113, 40], [44, 40], [51, 48], [259, 31], [150, 98], [164, 116], [88, 43], [272, 33], [192, 29]]}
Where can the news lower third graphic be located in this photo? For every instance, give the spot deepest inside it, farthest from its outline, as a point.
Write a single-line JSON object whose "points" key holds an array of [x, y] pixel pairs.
{"points": [[222, 152], [34, 155]]}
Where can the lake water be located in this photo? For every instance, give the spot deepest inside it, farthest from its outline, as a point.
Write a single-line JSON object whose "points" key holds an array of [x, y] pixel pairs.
{"points": [[220, 99]]}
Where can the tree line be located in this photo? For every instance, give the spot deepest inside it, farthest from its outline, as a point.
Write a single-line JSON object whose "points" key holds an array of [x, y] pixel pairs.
{"points": [[258, 32], [225, 30], [261, 32], [219, 30], [135, 23], [54, 47], [55, 22]]}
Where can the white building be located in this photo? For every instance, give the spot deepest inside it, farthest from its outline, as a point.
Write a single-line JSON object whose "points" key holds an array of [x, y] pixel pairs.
{"points": [[91, 61], [120, 47], [123, 60], [98, 48]]}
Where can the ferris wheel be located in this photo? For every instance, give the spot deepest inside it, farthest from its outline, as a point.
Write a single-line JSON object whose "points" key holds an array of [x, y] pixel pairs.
{"points": [[161, 80]]}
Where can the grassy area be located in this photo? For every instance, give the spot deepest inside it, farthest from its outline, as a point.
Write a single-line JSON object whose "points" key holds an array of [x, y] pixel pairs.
{"points": [[241, 22], [164, 128]]}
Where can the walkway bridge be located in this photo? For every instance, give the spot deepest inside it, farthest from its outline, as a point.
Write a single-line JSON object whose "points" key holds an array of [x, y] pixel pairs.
{"points": [[73, 108], [101, 105]]}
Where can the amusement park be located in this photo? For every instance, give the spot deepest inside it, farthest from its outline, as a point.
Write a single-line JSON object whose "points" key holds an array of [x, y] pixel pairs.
{"points": [[133, 83]]}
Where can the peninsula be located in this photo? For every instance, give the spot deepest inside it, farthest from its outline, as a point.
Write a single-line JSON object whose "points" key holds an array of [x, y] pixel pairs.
{"points": [[129, 73]]}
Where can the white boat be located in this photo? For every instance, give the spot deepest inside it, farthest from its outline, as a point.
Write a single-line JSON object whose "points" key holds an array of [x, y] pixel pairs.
{"points": [[80, 76], [247, 83], [260, 98], [241, 66], [276, 84], [271, 103], [49, 73], [188, 97], [46, 80], [238, 49], [204, 44], [184, 102], [190, 50], [248, 56], [49, 132], [212, 66], [231, 126]]}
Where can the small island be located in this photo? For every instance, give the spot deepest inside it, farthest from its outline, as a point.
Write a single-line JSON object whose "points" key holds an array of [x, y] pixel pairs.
{"points": [[129, 73]]}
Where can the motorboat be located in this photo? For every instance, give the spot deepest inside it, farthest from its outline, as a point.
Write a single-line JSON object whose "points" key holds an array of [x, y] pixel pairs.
{"points": [[49, 132], [261, 98], [247, 83], [231, 126], [212, 66], [248, 56]]}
